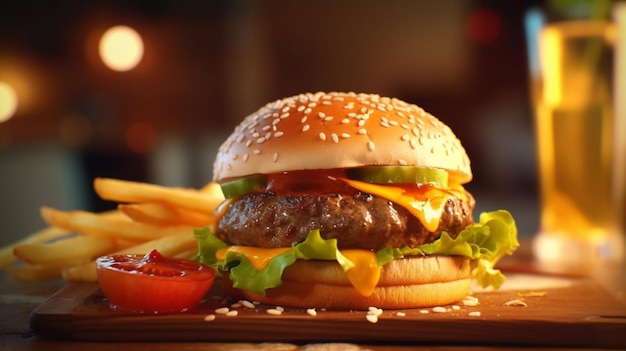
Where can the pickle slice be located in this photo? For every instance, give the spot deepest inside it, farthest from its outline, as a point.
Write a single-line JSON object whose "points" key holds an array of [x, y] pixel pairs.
{"points": [[243, 185], [400, 175]]}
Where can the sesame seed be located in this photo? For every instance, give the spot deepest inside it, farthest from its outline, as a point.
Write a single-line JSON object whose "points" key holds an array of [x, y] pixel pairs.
{"points": [[247, 304], [274, 311], [311, 312], [260, 140], [321, 114], [402, 162], [301, 108], [266, 128], [308, 110], [222, 310], [303, 119], [400, 314], [328, 118], [275, 157], [405, 137], [232, 313], [209, 317], [439, 309], [371, 146], [285, 109], [256, 151], [345, 135], [345, 121], [456, 307], [284, 115], [424, 311], [334, 137], [322, 136], [245, 157], [278, 134], [327, 103], [248, 143], [305, 128], [413, 144], [276, 121], [474, 314], [361, 123], [363, 131], [372, 318], [470, 301]]}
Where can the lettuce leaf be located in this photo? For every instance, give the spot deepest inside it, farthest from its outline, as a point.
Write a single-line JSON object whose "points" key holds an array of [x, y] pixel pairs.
{"points": [[485, 242]]}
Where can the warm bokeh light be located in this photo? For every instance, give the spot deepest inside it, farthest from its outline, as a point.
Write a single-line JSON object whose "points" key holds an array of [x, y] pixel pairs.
{"points": [[8, 102], [121, 48]]}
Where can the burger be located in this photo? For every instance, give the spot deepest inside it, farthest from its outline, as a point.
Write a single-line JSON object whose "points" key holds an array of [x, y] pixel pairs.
{"points": [[345, 201]]}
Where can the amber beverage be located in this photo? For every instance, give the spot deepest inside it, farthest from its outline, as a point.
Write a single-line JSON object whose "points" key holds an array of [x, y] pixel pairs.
{"points": [[578, 146]]}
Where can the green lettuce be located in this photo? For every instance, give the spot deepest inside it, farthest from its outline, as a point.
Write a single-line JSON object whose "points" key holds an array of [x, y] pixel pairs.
{"points": [[484, 242]]}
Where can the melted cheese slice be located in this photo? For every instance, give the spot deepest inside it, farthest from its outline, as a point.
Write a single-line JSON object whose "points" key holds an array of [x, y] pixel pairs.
{"points": [[365, 274], [427, 205], [258, 257]]}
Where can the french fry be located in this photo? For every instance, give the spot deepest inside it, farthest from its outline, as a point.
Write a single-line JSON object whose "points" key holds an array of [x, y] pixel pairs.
{"points": [[162, 214], [186, 254], [39, 271], [148, 217], [76, 248], [168, 246], [50, 233], [88, 223], [213, 189], [136, 192]]}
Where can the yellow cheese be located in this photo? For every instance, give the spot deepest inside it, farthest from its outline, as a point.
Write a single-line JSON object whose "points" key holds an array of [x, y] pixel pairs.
{"points": [[365, 273], [258, 257], [427, 206]]}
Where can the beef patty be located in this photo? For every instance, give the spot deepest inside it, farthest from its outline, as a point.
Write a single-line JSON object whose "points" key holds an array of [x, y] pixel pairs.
{"points": [[360, 220]]}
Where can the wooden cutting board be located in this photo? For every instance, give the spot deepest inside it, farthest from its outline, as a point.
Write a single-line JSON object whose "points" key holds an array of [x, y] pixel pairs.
{"points": [[570, 312]]}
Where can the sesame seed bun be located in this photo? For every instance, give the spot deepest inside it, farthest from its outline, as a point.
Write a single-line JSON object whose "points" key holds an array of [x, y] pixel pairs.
{"points": [[339, 130], [405, 283]]}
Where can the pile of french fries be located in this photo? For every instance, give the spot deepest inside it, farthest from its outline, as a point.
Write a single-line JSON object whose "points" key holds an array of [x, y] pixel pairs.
{"points": [[147, 217]]}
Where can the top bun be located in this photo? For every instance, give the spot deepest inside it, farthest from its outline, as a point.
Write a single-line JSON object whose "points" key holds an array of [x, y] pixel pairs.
{"points": [[339, 130]]}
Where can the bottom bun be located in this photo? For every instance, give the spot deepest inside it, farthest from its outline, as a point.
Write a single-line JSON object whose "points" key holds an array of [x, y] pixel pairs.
{"points": [[404, 283]]}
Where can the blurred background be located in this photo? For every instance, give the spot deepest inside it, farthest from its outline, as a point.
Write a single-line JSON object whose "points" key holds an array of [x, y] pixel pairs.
{"points": [[72, 109]]}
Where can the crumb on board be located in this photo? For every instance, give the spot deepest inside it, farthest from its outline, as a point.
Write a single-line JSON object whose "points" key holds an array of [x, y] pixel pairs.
{"points": [[515, 302]]}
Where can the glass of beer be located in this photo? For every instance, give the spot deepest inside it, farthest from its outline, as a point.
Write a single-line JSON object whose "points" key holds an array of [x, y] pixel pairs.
{"points": [[579, 140]]}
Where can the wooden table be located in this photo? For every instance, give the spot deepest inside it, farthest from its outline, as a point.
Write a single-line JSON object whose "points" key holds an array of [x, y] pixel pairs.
{"points": [[605, 293]]}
